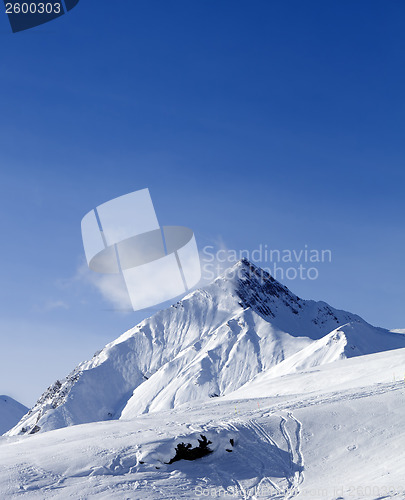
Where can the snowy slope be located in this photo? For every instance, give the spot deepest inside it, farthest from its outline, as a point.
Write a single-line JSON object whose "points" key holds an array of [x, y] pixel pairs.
{"points": [[380, 369], [211, 343], [334, 432], [344, 342], [10, 413]]}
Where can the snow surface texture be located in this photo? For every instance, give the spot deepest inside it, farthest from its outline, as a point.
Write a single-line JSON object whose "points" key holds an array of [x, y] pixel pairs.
{"points": [[216, 340], [10, 413], [263, 374], [333, 432]]}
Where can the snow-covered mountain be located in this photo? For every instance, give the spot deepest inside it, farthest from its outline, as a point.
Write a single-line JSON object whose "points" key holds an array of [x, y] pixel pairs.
{"points": [[332, 432], [243, 326], [11, 412]]}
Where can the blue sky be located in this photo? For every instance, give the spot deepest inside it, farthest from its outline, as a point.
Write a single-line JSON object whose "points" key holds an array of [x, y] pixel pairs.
{"points": [[273, 123]]}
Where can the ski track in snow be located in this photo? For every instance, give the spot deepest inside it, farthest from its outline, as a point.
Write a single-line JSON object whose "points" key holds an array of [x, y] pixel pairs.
{"points": [[292, 466], [291, 431], [33, 478], [269, 454], [294, 453], [271, 438], [298, 449], [333, 397], [263, 434]]}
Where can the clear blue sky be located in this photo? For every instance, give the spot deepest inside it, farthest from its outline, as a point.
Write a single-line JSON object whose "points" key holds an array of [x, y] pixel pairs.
{"points": [[277, 123]]}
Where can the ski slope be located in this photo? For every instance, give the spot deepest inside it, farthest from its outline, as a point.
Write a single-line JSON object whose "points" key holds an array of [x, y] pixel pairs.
{"points": [[334, 432], [298, 399]]}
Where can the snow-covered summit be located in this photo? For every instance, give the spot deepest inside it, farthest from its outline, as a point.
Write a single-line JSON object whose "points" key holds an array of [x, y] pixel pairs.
{"points": [[209, 344], [11, 412]]}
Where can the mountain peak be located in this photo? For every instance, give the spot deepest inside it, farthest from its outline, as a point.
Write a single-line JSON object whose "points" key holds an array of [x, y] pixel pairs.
{"points": [[11, 412], [244, 262], [209, 344], [256, 288]]}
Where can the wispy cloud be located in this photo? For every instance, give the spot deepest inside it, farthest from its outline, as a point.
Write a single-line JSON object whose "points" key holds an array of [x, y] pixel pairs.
{"points": [[51, 305], [111, 286], [113, 289], [56, 304], [214, 260]]}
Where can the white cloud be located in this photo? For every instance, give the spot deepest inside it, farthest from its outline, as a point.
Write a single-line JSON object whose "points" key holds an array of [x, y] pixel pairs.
{"points": [[56, 304], [111, 286]]}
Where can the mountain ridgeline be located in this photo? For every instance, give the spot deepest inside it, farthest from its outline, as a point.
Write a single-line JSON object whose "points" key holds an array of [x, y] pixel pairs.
{"points": [[11, 412], [242, 326]]}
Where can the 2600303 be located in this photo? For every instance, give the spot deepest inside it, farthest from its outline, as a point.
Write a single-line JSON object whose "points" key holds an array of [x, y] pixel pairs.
{"points": [[33, 8]]}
